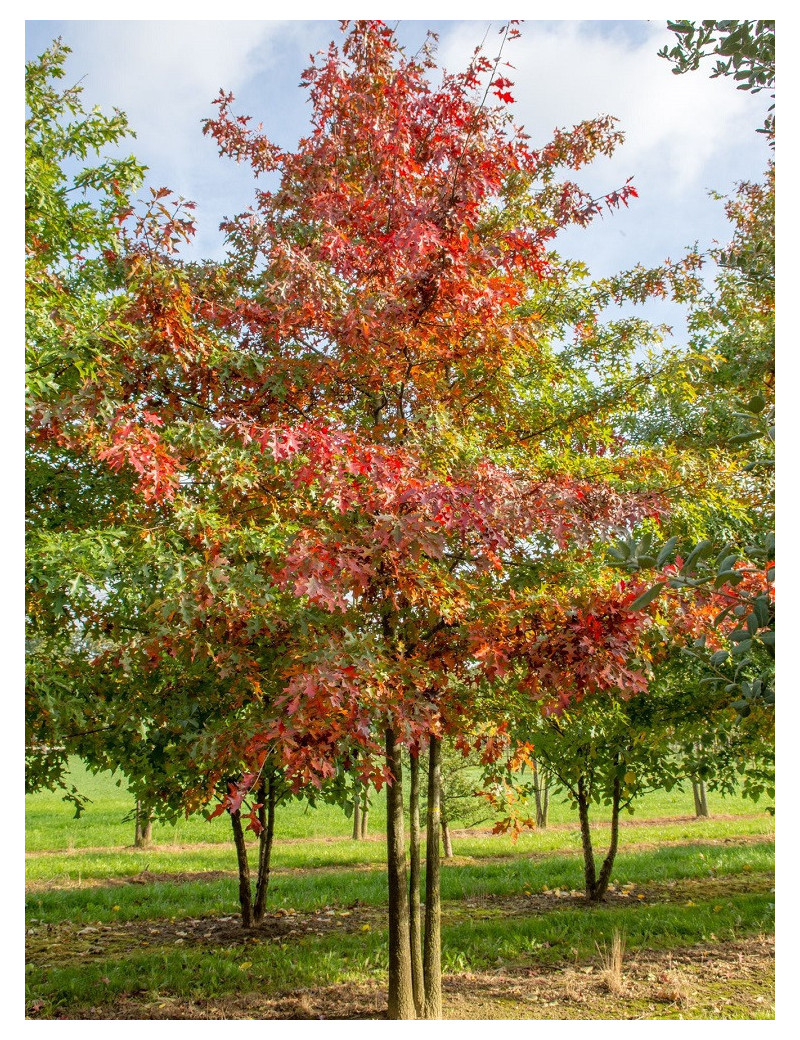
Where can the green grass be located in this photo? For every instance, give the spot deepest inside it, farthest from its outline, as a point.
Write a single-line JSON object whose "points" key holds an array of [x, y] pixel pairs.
{"points": [[317, 889], [477, 944], [577, 932], [703, 881], [50, 822], [84, 865]]}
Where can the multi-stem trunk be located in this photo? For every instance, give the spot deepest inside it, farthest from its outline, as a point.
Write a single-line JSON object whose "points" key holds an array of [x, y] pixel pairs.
{"points": [[414, 876], [432, 956], [699, 792], [266, 817], [608, 863], [401, 994], [597, 884], [245, 895]]}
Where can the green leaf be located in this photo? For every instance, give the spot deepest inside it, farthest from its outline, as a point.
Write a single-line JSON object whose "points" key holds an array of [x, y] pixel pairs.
{"points": [[743, 438], [700, 550], [647, 598], [728, 563], [666, 550], [734, 577]]}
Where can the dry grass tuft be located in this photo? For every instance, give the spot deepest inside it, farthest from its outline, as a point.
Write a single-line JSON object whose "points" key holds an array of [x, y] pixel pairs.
{"points": [[612, 964]]}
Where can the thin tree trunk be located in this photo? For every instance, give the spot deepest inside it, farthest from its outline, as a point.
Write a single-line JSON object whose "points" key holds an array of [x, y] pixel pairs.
{"points": [[432, 959], [589, 874], [601, 885], [266, 817], [401, 994], [143, 833], [414, 875], [447, 841], [245, 895], [364, 811], [356, 810], [700, 803], [541, 789], [703, 801]]}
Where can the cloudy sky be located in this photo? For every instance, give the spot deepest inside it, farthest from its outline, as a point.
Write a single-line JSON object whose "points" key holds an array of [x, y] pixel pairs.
{"points": [[685, 135]]}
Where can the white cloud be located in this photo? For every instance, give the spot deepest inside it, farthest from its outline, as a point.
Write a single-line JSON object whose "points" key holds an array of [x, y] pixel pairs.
{"points": [[684, 135]]}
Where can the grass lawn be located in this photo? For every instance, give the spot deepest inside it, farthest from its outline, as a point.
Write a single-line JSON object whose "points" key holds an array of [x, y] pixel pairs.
{"points": [[50, 822], [116, 932]]}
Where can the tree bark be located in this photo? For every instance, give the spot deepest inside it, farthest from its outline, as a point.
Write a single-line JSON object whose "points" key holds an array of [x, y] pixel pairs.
{"points": [[357, 810], [245, 895], [401, 994], [432, 958], [699, 792], [414, 877], [447, 841], [601, 886], [541, 789], [266, 817], [143, 833], [364, 811], [589, 874]]}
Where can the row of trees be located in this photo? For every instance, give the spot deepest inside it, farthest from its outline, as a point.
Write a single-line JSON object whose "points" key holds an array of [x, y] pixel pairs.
{"points": [[303, 511]]}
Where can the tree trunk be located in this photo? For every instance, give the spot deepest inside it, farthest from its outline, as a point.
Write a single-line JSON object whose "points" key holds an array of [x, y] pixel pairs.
{"points": [[597, 884], [266, 817], [364, 811], [541, 789], [699, 792], [143, 833], [401, 994], [447, 841], [432, 960], [601, 887], [357, 810], [245, 895], [589, 874], [414, 876]]}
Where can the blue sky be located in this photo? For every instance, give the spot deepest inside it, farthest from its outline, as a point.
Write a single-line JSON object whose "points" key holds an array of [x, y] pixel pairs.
{"points": [[684, 135]]}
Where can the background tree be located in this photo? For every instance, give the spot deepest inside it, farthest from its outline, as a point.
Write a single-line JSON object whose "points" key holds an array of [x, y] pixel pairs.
{"points": [[74, 290]]}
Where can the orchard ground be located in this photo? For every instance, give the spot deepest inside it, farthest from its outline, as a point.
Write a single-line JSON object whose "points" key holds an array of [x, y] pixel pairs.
{"points": [[115, 932]]}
